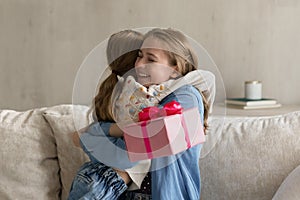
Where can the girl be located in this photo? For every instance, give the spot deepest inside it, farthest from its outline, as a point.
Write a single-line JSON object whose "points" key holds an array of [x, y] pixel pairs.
{"points": [[146, 75], [122, 49]]}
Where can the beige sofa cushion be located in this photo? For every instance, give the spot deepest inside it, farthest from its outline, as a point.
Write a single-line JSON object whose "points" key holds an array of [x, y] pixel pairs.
{"points": [[29, 165], [61, 119], [248, 158]]}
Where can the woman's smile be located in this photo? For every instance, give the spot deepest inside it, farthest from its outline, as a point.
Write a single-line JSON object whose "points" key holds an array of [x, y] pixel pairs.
{"points": [[152, 66], [142, 75]]}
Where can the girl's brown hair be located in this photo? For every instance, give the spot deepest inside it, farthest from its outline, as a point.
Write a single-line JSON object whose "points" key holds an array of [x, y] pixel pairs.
{"points": [[181, 54], [122, 50]]}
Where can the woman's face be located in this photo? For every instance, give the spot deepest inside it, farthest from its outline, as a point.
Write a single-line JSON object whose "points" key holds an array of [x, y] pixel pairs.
{"points": [[152, 65]]}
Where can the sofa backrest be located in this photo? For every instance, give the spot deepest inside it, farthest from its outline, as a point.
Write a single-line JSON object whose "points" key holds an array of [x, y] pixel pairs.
{"points": [[249, 157], [38, 158], [29, 167], [242, 158]]}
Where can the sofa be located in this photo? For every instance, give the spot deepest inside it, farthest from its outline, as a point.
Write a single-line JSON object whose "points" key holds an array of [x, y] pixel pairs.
{"points": [[242, 158]]}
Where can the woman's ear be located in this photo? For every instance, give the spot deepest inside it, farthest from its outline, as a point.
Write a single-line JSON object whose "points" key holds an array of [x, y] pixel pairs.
{"points": [[175, 72]]}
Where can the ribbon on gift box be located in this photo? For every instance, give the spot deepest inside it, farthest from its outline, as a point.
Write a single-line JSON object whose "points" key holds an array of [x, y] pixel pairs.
{"points": [[152, 112]]}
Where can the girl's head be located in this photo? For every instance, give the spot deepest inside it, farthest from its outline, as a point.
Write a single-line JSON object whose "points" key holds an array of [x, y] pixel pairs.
{"points": [[165, 54], [122, 50]]}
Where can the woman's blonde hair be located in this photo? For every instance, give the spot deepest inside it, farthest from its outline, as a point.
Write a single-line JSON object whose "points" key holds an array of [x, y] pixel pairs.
{"points": [[180, 53], [122, 50]]}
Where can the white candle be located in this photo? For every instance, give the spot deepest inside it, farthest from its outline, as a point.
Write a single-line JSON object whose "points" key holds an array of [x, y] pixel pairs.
{"points": [[253, 90]]}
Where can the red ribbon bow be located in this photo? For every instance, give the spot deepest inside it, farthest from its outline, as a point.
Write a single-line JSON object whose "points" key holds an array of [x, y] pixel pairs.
{"points": [[152, 112]]}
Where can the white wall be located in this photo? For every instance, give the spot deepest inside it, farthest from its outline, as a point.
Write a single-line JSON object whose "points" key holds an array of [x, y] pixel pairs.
{"points": [[43, 43]]}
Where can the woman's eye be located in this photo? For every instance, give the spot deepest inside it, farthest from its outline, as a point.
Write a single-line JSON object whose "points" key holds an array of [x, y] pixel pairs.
{"points": [[151, 60]]}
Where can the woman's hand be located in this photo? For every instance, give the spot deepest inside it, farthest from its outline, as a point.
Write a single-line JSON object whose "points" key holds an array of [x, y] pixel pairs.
{"points": [[76, 139], [115, 131], [76, 136]]}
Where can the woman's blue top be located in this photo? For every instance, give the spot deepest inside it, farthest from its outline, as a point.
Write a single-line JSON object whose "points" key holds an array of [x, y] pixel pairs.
{"points": [[173, 177]]}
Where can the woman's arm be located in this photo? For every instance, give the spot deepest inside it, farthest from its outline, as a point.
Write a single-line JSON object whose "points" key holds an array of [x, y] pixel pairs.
{"points": [[100, 146], [114, 131], [76, 136], [178, 176]]}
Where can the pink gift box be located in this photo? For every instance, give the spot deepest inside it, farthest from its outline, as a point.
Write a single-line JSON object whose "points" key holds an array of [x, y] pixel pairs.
{"points": [[164, 136]]}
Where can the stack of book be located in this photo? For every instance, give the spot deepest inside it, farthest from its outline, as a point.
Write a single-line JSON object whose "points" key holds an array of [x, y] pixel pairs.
{"points": [[243, 103]]}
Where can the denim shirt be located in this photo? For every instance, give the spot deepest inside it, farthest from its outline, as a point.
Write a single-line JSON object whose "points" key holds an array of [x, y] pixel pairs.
{"points": [[173, 177], [180, 179]]}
